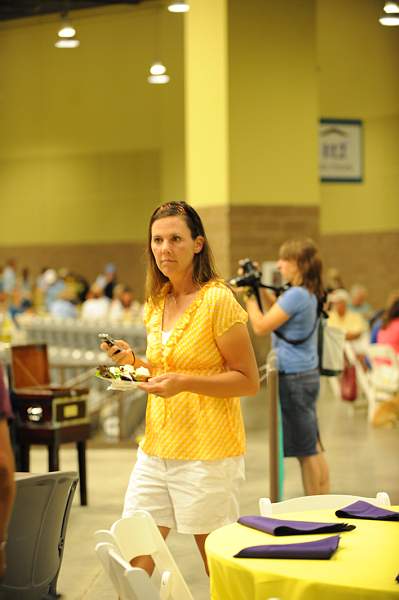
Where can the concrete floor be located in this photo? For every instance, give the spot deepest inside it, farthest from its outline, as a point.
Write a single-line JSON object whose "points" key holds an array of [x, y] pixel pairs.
{"points": [[362, 461]]}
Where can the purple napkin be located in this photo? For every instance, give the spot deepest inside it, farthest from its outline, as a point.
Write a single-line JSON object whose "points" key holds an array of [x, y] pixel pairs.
{"points": [[321, 549], [285, 527], [365, 510]]}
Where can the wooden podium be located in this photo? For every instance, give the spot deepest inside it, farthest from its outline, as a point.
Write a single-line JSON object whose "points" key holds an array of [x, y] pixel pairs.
{"points": [[45, 414]]}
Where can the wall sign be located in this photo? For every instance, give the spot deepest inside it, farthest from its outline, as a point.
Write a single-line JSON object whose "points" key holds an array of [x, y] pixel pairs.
{"points": [[340, 150]]}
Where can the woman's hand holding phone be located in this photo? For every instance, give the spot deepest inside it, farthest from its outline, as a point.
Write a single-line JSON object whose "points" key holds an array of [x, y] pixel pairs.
{"points": [[118, 350]]}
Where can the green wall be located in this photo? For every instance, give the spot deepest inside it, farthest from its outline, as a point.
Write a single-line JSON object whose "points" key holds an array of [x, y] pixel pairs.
{"points": [[87, 143], [358, 78]]}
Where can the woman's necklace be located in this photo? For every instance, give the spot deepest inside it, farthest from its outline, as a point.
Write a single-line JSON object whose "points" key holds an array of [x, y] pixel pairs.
{"points": [[181, 300], [172, 299]]}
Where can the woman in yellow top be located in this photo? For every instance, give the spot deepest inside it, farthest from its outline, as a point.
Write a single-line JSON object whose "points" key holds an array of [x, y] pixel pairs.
{"points": [[200, 356]]}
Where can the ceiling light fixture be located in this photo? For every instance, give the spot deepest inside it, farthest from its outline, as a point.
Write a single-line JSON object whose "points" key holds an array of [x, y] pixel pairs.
{"points": [[391, 8], [158, 74], [67, 31], [158, 79], [66, 35], [67, 43], [389, 19], [178, 6], [157, 68]]}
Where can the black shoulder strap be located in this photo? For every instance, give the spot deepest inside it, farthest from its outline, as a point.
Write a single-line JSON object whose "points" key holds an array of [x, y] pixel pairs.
{"points": [[319, 312]]}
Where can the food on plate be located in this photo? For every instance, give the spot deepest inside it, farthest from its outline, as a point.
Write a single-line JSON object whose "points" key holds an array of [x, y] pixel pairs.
{"points": [[123, 373]]}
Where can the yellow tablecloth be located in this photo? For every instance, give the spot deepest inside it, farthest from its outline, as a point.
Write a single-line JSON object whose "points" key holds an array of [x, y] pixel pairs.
{"points": [[364, 566]]}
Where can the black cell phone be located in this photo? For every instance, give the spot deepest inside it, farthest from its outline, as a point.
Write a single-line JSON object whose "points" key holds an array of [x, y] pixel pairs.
{"points": [[105, 337]]}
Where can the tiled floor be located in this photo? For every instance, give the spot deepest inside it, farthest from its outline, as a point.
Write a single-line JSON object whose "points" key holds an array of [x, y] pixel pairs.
{"points": [[362, 461]]}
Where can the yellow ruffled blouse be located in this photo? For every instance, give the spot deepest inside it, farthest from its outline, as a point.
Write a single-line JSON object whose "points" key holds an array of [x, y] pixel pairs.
{"points": [[191, 426]]}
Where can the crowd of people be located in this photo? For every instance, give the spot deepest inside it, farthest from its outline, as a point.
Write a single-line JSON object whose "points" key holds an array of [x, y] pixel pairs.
{"points": [[351, 312], [61, 293]]}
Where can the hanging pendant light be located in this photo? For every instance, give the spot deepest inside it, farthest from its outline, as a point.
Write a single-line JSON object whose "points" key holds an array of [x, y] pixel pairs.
{"points": [[389, 19], [158, 74], [66, 35], [158, 78], [391, 7], [67, 43], [67, 30], [178, 6], [157, 68]]}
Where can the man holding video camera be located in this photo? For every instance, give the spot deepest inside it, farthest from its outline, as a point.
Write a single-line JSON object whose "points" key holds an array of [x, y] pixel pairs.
{"points": [[292, 314]]}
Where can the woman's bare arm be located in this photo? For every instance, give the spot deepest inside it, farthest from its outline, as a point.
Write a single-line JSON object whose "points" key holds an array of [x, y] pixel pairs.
{"points": [[265, 323]]}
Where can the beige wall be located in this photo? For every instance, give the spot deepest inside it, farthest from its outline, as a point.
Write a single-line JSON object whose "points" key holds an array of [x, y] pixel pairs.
{"points": [[273, 103], [88, 147], [368, 258], [358, 78]]}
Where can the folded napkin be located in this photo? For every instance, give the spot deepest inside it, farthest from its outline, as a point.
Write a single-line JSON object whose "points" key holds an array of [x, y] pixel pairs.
{"points": [[365, 510], [321, 549], [285, 527]]}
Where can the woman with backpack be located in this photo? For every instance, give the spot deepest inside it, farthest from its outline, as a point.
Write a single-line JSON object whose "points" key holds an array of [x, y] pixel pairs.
{"points": [[293, 318]]}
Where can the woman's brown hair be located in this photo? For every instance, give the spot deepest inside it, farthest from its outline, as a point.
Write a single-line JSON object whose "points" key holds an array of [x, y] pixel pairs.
{"points": [[203, 263], [306, 255]]}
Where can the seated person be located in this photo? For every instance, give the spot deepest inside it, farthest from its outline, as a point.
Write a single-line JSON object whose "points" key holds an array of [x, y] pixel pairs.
{"points": [[124, 307], [64, 306], [389, 331], [376, 321], [108, 280], [351, 323], [333, 279], [18, 305], [358, 301], [97, 305]]}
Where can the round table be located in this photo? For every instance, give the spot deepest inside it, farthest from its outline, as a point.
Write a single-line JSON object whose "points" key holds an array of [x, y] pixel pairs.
{"points": [[364, 567]]}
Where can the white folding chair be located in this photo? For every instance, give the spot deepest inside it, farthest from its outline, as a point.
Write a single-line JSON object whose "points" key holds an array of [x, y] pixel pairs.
{"points": [[302, 503], [384, 373], [130, 583], [139, 535], [361, 377]]}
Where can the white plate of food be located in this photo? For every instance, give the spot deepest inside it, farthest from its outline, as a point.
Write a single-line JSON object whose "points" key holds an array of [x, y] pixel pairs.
{"points": [[122, 378]]}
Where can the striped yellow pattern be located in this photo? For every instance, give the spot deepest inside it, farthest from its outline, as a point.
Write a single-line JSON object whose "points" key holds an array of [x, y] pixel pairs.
{"points": [[190, 426]]}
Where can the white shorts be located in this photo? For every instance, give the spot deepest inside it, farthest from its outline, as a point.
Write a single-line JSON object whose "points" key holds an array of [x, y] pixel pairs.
{"points": [[191, 496]]}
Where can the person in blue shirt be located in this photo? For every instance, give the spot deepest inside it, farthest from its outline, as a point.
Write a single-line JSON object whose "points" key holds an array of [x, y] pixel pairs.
{"points": [[293, 316]]}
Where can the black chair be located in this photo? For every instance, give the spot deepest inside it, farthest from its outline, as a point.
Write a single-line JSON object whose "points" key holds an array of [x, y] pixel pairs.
{"points": [[36, 535], [46, 414]]}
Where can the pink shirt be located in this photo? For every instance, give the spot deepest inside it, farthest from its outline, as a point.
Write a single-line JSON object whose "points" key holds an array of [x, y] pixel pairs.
{"points": [[390, 335]]}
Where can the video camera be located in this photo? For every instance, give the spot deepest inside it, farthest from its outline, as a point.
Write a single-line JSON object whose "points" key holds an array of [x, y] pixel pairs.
{"points": [[251, 278]]}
